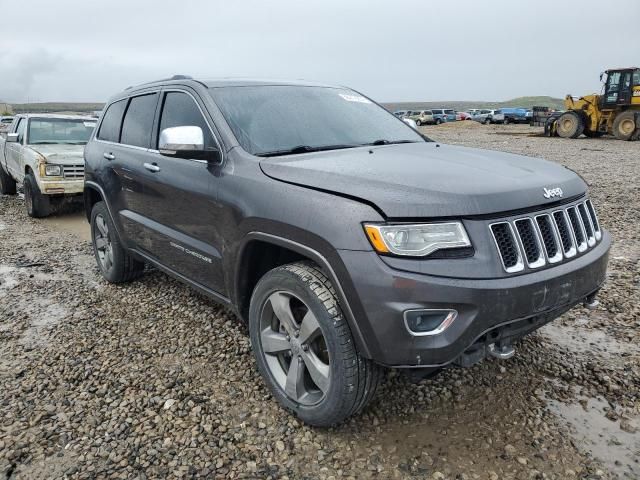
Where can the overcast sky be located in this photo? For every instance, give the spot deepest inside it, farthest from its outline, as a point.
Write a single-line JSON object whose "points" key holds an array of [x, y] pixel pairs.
{"points": [[401, 50]]}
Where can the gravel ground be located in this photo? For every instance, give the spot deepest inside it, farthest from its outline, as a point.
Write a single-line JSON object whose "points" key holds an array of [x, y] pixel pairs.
{"points": [[152, 380]]}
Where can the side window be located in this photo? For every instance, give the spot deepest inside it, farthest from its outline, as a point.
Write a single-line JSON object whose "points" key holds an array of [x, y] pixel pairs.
{"points": [[138, 121], [110, 126], [428, 112], [22, 123], [180, 110]]}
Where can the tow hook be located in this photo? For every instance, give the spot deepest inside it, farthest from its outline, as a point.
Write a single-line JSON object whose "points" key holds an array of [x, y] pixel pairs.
{"points": [[502, 352], [590, 302]]}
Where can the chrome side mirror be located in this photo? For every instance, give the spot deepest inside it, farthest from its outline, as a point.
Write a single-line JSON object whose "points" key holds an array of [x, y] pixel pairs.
{"points": [[12, 138], [177, 141]]}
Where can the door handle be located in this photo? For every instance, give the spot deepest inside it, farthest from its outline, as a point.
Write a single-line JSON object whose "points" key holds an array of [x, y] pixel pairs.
{"points": [[152, 167], [109, 156]]}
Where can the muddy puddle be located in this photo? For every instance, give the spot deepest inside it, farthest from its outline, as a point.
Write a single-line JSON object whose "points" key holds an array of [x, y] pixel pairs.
{"points": [[579, 338], [612, 442], [74, 223]]}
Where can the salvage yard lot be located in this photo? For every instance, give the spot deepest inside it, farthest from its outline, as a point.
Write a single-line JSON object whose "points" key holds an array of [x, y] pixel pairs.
{"points": [[150, 379]]}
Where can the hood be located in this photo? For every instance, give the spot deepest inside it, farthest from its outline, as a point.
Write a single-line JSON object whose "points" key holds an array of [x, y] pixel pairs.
{"points": [[61, 154], [429, 179]]}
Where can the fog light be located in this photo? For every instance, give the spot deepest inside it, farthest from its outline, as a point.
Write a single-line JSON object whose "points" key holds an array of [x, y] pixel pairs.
{"points": [[428, 322]]}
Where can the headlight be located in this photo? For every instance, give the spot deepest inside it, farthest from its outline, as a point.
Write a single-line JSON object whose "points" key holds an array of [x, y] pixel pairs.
{"points": [[416, 240], [53, 170]]}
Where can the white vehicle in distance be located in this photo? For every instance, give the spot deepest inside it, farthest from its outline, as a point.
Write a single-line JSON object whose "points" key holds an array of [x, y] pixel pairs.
{"points": [[45, 153], [487, 116]]}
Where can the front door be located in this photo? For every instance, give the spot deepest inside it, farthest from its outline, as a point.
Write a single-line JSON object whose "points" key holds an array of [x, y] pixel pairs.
{"points": [[179, 201], [14, 152]]}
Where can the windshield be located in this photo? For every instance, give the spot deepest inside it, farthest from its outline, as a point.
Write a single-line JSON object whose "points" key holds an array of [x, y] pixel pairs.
{"points": [[273, 119], [60, 130]]}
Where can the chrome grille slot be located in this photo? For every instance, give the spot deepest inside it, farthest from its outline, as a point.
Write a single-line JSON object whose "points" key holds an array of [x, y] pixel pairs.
{"points": [[550, 238], [577, 229], [73, 171], [530, 243], [564, 230], [507, 247], [594, 219], [586, 223]]}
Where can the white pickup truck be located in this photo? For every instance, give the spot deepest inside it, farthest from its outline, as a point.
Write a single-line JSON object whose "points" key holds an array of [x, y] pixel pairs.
{"points": [[45, 153]]}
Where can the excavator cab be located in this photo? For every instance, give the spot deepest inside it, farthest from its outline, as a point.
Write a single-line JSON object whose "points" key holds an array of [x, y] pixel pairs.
{"points": [[622, 88]]}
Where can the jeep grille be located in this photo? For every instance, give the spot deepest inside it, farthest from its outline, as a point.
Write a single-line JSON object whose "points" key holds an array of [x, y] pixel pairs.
{"points": [[546, 238]]}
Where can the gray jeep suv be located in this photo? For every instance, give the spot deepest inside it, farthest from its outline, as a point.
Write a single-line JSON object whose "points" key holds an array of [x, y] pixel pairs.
{"points": [[345, 239]]}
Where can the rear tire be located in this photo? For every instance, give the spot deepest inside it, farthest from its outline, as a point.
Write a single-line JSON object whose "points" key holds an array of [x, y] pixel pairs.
{"points": [[7, 184], [570, 125], [114, 262], [330, 381], [419, 123], [506, 121], [487, 121], [624, 125], [38, 205], [438, 121]]}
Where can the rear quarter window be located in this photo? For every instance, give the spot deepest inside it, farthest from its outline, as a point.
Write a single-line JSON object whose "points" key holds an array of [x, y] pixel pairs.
{"points": [[110, 126]]}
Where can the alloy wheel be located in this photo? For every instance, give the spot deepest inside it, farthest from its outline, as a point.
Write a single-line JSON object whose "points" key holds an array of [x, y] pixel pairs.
{"points": [[103, 244], [294, 348]]}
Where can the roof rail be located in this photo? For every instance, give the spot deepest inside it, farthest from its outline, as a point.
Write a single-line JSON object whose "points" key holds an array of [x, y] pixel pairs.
{"points": [[175, 77]]}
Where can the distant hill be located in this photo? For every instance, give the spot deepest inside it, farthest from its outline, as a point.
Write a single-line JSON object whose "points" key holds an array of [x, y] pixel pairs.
{"points": [[525, 102], [52, 107]]}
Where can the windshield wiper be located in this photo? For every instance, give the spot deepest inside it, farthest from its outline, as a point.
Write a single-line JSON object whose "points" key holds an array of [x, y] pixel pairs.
{"points": [[389, 142], [303, 149]]}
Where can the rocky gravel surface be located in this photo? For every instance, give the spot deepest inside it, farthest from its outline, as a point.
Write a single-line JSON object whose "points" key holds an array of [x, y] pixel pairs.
{"points": [[152, 380]]}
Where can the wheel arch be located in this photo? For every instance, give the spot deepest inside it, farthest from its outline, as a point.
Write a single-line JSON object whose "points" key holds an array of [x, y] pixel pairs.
{"points": [[261, 252]]}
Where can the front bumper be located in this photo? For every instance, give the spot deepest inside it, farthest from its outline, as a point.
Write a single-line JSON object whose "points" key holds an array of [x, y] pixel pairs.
{"points": [[482, 304], [61, 187]]}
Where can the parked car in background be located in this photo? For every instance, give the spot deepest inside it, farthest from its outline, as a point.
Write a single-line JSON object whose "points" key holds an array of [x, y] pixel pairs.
{"points": [[488, 116], [401, 113], [44, 153], [5, 123], [422, 117], [288, 204], [515, 115], [464, 115], [441, 115]]}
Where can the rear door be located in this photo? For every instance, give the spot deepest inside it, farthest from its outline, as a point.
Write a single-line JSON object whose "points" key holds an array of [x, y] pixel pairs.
{"points": [[125, 137], [179, 199]]}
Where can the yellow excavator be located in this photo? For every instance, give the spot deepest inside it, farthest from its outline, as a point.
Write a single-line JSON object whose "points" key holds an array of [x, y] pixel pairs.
{"points": [[616, 111]]}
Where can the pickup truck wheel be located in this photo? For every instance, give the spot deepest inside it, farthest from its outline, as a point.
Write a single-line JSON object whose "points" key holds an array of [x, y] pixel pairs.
{"points": [[114, 262], [38, 205], [7, 184], [304, 348]]}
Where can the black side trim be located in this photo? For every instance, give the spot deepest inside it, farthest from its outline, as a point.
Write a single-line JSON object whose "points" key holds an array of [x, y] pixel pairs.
{"points": [[169, 271]]}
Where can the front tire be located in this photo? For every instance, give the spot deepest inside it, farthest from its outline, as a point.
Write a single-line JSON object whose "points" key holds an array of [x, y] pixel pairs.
{"points": [[487, 121], [38, 205], [419, 123], [114, 262], [304, 348], [438, 121], [570, 125]]}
